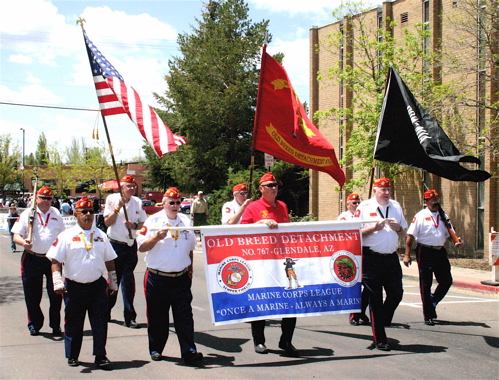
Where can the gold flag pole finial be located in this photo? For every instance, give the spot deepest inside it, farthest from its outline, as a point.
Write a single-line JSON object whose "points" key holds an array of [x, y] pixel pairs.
{"points": [[81, 21]]}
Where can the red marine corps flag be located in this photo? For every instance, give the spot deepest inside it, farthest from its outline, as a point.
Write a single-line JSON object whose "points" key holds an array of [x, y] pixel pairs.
{"points": [[283, 129], [116, 97]]}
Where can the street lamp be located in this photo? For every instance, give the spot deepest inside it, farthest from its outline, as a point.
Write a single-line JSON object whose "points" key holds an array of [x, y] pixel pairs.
{"points": [[22, 129]]}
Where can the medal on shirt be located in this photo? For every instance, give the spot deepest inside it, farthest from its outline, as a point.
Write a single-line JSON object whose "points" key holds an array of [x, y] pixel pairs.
{"points": [[44, 224], [88, 247], [175, 234]]}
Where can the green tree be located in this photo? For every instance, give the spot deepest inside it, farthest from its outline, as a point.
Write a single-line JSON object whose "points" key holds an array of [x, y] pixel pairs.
{"points": [[364, 54], [96, 168], [475, 33], [64, 176], [10, 157], [30, 160], [41, 154], [211, 95], [75, 153]]}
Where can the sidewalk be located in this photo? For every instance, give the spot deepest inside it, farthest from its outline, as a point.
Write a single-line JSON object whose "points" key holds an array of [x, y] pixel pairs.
{"points": [[466, 279]]}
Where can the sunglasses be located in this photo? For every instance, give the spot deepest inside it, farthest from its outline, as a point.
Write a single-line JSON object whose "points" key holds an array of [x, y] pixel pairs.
{"points": [[271, 185], [355, 203], [91, 212], [174, 203], [243, 192], [45, 198]]}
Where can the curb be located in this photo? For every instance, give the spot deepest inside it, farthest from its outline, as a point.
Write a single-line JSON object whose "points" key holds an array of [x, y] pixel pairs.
{"points": [[469, 286], [479, 288]]}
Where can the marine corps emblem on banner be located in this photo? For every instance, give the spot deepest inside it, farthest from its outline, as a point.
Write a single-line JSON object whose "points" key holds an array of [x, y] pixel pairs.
{"points": [[234, 275], [345, 269]]}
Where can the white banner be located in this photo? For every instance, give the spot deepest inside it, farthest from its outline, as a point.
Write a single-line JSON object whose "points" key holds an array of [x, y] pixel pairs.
{"points": [[301, 269]]}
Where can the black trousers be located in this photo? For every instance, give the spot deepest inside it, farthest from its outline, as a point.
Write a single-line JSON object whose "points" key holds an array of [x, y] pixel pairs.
{"points": [[382, 272], [125, 264], [33, 269], [432, 262], [287, 330], [80, 299], [163, 293]]}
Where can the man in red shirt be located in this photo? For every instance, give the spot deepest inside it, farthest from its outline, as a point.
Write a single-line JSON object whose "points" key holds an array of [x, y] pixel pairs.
{"points": [[268, 210]]}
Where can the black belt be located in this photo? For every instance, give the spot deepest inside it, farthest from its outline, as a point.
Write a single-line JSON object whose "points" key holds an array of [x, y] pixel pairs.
{"points": [[377, 253], [168, 274], [437, 247], [36, 254], [117, 242]]}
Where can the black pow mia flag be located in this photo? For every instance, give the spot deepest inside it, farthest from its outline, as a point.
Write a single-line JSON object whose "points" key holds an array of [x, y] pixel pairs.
{"points": [[408, 135]]}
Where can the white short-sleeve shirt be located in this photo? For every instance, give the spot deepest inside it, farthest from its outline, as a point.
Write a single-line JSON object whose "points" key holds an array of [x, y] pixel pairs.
{"points": [[385, 240], [172, 253], [46, 227], [427, 228], [81, 264], [136, 214]]}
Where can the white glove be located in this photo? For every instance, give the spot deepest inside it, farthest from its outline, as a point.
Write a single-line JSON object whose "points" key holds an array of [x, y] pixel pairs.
{"points": [[57, 280], [113, 280]]}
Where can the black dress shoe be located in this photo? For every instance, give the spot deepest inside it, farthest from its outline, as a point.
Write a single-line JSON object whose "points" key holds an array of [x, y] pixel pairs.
{"points": [[354, 322], [192, 357], [429, 322], [382, 346], [289, 349], [156, 356], [261, 349], [132, 324], [101, 361], [57, 332], [34, 332], [73, 362]]}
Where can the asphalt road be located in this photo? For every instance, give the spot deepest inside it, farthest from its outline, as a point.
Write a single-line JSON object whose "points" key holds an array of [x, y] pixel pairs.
{"points": [[462, 345]]}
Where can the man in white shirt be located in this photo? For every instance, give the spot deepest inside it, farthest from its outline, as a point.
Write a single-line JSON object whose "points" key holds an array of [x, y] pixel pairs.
{"points": [[353, 201], [233, 210], [122, 233], [45, 223], [168, 278], [87, 255], [430, 232], [381, 263], [355, 319]]}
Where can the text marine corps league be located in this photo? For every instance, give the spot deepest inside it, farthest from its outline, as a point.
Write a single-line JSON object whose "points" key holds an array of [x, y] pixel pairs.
{"points": [[304, 269]]}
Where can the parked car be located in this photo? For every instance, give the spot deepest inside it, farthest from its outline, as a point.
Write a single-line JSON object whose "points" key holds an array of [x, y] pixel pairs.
{"points": [[185, 205], [150, 207]]}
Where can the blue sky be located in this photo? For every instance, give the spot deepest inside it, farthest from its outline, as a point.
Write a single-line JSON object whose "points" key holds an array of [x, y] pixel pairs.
{"points": [[44, 62]]}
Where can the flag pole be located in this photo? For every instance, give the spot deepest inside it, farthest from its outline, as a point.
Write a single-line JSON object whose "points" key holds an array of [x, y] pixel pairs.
{"points": [[81, 21], [257, 113]]}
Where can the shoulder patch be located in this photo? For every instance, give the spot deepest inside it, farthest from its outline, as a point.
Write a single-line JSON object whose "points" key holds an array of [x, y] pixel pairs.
{"points": [[143, 230], [54, 244]]}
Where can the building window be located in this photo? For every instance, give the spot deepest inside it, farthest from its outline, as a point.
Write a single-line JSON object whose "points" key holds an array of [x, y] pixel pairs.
{"points": [[404, 17]]}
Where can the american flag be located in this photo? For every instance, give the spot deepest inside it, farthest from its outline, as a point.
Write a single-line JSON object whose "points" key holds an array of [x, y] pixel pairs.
{"points": [[116, 97]]}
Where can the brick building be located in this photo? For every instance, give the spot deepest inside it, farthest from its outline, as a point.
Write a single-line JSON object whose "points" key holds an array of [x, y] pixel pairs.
{"points": [[473, 208]]}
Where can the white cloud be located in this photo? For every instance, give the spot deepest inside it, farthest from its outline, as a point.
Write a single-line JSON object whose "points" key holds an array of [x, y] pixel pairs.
{"points": [[30, 94], [320, 8], [20, 58], [34, 29]]}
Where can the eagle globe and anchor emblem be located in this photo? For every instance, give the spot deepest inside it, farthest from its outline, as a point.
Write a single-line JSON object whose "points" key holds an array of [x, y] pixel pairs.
{"points": [[234, 275]]}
